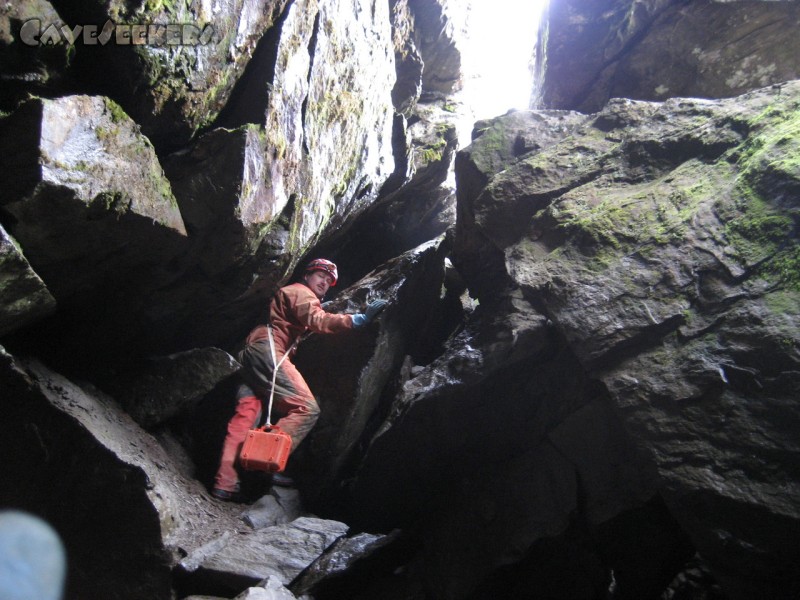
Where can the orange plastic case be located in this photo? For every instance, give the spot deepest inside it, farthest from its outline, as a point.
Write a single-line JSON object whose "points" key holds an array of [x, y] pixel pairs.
{"points": [[265, 449]]}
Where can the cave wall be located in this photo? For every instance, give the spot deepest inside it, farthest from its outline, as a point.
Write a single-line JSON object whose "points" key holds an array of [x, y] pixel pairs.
{"points": [[660, 240], [659, 49]]}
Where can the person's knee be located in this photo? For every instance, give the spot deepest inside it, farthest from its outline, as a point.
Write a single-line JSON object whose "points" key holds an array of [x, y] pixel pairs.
{"points": [[310, 410], [314, 409]]}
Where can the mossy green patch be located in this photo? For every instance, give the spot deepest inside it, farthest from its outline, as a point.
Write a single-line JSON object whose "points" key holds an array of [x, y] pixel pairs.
{"points": [[117, 203], [337, 107], [490, 150], [118, 115], [784, 302], [770, 159], [765, 239], [161, 185], [653, 213], [433, 152], [168, 6], [763, 230]]}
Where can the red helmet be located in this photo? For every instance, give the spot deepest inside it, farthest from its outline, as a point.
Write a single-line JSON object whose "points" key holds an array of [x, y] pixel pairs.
{"points": [[320, 264]]}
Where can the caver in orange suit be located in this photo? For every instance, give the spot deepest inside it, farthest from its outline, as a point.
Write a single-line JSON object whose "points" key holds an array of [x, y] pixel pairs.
{"points": [[294, 311]]}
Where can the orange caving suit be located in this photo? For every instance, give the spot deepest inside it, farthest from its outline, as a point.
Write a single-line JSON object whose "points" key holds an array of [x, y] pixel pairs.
{"points": [[295, 310]]}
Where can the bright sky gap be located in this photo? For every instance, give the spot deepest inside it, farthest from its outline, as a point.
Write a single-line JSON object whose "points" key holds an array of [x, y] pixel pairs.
{"points": [[496, 60]]}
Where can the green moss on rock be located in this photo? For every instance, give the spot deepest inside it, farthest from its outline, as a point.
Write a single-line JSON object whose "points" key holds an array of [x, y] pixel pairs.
{"points": [[763, 230], [118, 115], [657, 212]]}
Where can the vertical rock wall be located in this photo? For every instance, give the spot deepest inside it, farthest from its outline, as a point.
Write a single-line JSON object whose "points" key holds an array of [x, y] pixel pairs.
{"points": [[659, 49]]}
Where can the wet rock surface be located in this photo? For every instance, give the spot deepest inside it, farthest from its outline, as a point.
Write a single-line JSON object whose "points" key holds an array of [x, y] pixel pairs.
{"points": [[675, 310]]}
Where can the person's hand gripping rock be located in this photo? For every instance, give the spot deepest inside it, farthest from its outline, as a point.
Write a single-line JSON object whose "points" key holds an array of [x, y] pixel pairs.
{"points": [[373, 309]]}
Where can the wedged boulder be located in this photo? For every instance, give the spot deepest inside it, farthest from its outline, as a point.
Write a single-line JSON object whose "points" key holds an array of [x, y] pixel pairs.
{"points": [[660, 239], [163, 387], [659, 49], [497, 144], [84, 148], [434, 137], [25, 297], [349, 371], [424, 207], [239, 238], [109, 489], [87, 198], [494, 447], [280, 552]]}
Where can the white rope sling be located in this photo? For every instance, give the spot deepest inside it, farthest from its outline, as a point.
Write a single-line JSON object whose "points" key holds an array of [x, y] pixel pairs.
{"points": [[276, 364]]}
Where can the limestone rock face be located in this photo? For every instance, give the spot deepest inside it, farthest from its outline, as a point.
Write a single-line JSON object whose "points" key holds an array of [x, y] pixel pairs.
{"points": [[417, 202], [658, 49], [414, 206], [660, 240], [310, 146]]}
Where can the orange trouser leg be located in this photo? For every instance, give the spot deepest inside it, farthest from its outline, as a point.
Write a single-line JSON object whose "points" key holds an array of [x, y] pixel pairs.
{"points": [[248, 411], [300, 410]]}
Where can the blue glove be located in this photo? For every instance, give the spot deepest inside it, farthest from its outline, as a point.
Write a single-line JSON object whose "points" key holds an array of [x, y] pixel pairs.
{"points": [[373, 308]]}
